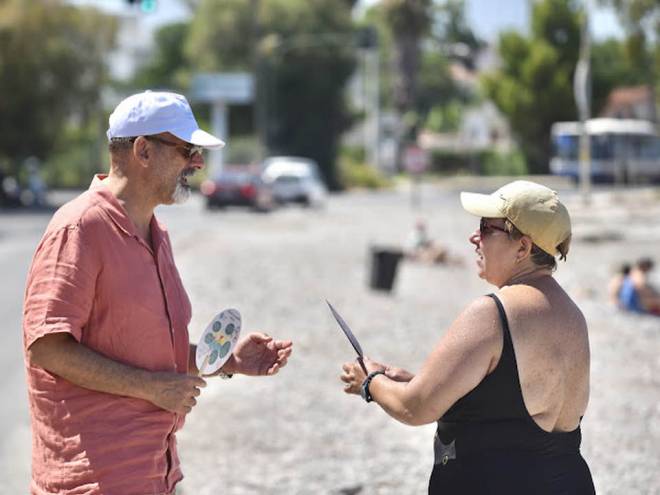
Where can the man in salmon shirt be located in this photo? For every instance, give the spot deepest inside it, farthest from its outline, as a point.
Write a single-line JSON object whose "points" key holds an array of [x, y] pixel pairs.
{"points": [[110, 369]]}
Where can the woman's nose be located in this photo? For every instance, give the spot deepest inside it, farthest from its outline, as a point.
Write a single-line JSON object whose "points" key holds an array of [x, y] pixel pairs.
{"points": [[475, 237]]}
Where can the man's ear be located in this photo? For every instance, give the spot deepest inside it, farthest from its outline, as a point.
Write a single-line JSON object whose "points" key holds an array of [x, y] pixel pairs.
{"points": [[141, 150]]}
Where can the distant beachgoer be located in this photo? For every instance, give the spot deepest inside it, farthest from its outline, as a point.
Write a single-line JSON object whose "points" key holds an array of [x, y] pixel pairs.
{"points": [[616, 282], [508, 383], [637, 294], [420, 246]]}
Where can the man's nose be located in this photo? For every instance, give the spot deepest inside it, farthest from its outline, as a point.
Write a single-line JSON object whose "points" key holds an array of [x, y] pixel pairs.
{"points": [[475, 237], [197, 161]]}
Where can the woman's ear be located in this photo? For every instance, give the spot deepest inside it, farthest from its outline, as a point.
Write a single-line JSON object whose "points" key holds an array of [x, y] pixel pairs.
{"points": [[524, 249]]}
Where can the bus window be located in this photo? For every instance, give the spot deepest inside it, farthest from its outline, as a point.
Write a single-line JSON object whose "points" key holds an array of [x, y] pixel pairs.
{"points": [[566, 146], [646, 147], [601, 147]]}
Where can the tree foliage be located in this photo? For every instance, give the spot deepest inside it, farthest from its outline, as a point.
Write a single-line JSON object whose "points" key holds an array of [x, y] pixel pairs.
{"points": [[450, 26], [611, 67], [51, 73], [220, 35], [168, 66], [408, 21], [641, 21], [534, 86], [302, 53]]}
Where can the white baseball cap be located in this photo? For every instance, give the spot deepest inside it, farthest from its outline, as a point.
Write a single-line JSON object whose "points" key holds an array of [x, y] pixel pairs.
{"points": [[534, 209], [154, 112]]}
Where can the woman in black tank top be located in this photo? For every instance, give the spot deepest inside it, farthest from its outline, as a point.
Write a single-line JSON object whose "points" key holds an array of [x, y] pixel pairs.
{"points": [[486, 441]]}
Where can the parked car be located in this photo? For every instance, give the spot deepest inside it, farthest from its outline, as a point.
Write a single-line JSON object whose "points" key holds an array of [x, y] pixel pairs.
{"points": [[295, 180], [238, 186]]}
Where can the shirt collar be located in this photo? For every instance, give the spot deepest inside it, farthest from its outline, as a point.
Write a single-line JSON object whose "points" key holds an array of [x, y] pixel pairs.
{"points": [[118, 214]]}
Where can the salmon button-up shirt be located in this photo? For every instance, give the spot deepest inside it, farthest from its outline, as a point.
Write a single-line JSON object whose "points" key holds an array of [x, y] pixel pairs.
{"points": [[93, 277]]}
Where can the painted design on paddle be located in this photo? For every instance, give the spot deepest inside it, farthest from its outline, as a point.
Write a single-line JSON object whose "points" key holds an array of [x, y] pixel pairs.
{"points": [[218, 341]]}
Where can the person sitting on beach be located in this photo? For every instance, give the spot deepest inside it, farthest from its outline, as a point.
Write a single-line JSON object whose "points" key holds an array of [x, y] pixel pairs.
{"points": [[616, 282], [637, 294], [508, 383], [421, 247]]}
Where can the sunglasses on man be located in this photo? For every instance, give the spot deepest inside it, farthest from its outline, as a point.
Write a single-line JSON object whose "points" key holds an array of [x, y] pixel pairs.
{"points": [[187, 150]]}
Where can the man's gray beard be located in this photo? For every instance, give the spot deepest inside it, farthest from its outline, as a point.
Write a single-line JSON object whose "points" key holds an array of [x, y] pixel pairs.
{"points": [[181, 193]]}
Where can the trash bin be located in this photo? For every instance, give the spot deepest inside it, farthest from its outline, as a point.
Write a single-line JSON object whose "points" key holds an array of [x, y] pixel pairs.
{"points": [[384, 262]]}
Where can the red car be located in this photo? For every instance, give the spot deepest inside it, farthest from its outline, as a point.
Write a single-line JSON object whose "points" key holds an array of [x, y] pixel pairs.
{"points": [[238, 186]]}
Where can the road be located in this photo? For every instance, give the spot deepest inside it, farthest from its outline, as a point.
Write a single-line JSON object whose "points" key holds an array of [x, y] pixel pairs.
{"points": [[297, 433]]}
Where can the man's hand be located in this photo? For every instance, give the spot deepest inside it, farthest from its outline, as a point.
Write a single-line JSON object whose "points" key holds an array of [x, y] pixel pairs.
{"points": [[62, 355], [174, 392], [258, 355]]}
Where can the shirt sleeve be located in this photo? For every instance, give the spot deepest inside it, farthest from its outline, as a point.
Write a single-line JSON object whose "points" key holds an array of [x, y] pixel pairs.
{"points": [[60, 286]]}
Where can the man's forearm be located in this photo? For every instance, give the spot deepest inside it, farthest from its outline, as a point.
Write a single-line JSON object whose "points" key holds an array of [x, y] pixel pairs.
{"points": [[62, 355]]}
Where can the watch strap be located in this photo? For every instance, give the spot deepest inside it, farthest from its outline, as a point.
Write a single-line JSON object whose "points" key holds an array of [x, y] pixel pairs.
{"points": [[366, 395]]}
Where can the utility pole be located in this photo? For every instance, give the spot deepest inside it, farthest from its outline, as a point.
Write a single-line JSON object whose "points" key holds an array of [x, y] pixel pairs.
{"points": [[258, 69], [582, 89]]}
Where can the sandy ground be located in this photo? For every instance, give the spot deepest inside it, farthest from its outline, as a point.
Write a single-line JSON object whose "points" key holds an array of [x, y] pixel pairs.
{"points": [[298, 433]]}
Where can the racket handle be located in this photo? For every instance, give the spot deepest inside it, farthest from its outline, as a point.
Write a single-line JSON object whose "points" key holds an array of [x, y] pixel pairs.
{"points": [[201, 370]]}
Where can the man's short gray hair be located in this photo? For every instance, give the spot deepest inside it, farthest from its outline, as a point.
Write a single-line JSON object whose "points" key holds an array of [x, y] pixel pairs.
{"points": [[120, 144]]}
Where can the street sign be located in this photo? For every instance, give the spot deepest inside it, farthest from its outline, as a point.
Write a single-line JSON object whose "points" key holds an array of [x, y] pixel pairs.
{"points": [[415, 159], [237, 87]]}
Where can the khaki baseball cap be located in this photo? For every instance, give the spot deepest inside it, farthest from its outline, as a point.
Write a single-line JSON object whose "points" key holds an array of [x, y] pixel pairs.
{"points": [[534, 209]]}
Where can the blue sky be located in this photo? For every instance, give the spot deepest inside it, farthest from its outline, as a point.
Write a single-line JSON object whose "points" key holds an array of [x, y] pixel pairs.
{"points": [[487, 17]]}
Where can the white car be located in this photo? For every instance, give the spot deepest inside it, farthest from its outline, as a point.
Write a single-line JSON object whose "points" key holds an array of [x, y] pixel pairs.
{"points": [[295, 180]]}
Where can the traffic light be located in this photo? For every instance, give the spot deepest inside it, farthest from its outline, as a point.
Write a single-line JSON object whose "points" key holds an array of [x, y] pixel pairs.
{"points": [[146, 6]]}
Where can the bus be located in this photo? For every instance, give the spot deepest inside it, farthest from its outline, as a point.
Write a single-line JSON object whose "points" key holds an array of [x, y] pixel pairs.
{"points": [[623, 151]]}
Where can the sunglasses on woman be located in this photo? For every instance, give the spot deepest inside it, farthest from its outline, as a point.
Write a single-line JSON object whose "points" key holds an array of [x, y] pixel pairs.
{"points": [[486, 228]]}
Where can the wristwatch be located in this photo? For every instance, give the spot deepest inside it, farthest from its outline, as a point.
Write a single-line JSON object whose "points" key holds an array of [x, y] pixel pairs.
{"points": [[364, 389]]}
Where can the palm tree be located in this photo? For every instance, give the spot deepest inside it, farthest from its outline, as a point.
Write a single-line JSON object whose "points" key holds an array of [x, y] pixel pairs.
{"points": [[408, 21]]}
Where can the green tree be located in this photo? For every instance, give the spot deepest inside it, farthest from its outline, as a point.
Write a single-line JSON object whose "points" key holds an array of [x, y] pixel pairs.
{"points": [[533, 87], [430, 98], [641, 21], [219, 36], [304, 58], [51, 73], [168, 66], [611, 67], [409, 22], [450, 27], [452, 40]]}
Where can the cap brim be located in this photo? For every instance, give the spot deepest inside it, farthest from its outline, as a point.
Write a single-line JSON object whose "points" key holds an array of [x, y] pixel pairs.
{"points": [[200, 138], [483, 205]]}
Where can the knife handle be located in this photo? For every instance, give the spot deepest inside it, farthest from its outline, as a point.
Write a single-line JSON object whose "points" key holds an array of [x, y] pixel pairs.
{"points": [[364, 368]]}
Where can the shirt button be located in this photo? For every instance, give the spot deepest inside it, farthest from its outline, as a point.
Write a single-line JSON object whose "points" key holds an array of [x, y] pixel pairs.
{"points": [[445, 459]]}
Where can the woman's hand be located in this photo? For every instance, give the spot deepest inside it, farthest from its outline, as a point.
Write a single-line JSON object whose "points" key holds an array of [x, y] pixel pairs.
{"points": [[353, 375], [398, 374]]}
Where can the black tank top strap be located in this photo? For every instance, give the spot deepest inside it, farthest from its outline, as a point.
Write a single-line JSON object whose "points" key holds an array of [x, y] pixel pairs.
{"points": [[504, 320]]}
